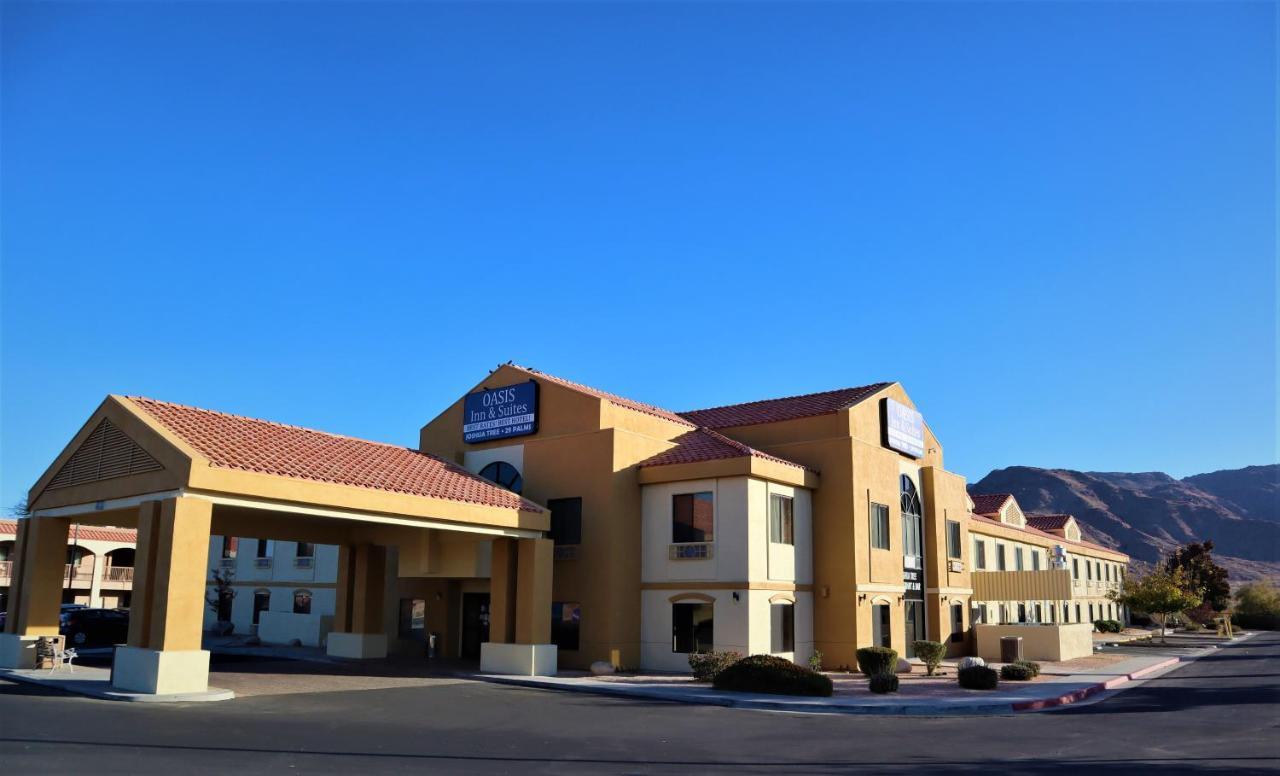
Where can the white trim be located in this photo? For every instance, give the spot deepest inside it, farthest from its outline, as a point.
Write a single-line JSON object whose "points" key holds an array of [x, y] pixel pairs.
{"points": [[106, 505], [365, 517], [281, 506], [950, 590], [875, 587]]}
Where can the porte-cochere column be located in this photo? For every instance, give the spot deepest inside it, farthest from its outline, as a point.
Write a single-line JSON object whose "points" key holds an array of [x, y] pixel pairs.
{"points": [[35, 591], [520, 609]]}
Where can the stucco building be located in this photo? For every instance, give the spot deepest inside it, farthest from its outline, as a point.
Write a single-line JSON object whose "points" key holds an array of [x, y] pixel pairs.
{"points": [[544, 523]]}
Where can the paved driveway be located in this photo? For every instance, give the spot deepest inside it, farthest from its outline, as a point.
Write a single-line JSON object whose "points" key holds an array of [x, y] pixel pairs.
{"points": [[1217, 715]]}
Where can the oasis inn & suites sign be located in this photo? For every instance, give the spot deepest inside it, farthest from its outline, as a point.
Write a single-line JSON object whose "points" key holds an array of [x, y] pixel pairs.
{"points": [[500, 413]]}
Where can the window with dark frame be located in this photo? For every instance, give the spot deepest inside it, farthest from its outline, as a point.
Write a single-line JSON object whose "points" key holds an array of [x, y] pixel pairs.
{"points": [[957, 623], [264, 548], [1022, 612], [229, 546], [881, 628], [692, 627], [1000, 558], [980, 554], [1017, 558], [781, 519], [413, 619], [504, 475], [953, 539], [1035, 560], [566, 520], [261, 602], [880, 526], [692, 517], [566, 620], [302, 602], [783, 616], [306, 550]]}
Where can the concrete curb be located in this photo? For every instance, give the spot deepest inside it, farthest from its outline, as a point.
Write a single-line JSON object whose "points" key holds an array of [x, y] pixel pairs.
{"points": [[106, 693]]}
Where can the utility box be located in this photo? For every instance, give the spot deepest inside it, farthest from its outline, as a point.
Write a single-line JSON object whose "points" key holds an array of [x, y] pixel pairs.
{"points": [[1010, 649]]}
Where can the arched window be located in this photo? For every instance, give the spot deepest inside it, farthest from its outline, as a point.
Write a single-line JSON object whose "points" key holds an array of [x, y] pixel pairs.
{"points": [[910, 498], [261, 602], [504, 474], [302, 602]]}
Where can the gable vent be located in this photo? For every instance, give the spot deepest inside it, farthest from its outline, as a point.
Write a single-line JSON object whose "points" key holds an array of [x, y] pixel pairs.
{"points": [[107, 453]]}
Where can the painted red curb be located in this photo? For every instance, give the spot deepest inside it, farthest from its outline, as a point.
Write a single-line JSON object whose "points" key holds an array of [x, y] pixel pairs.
{"points": [[1093, 689]]}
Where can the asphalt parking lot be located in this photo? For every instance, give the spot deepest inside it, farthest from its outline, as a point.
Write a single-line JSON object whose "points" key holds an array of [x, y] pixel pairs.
{"points": [[1216, 715]]}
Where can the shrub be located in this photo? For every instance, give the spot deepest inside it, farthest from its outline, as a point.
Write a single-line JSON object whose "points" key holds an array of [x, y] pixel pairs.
{"points": [[877, 660], [771, 674], [979, 678], [882, 683], [1108, 626], [1257, 606], [815, 660], [931, 653], [1031, 665], [707, 665], [1016, 672]]}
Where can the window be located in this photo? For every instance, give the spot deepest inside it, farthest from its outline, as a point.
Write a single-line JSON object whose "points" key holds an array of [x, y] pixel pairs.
{"points": [[413, 619], [880, 526], [957, 623], [1000, 561], [1075, 568], [1091, 617], [692, 517], [781, 520], [1078, 619], [1038, 616], [692, 627], [302, 602], [229, 546], [783, 621], [1022, 612], [1088, 570], [1035, 560], [306, 550], [1017, 558], [265, 548], [880, 628], [980, 614], [503, 474], [953, 539], [566, 520], [261, 602], [912, 524], [980, 554], [565, 620]]}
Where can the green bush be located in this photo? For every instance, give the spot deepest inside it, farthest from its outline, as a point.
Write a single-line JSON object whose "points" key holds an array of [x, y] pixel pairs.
{"points": [[1016, 672], [978, 678], [770, 674], [882, 683], [931, 653], [1031, 666], [877, 660], [1257, 606], [707, 665], [1256, 621], [1108, 626], [815, 660]]}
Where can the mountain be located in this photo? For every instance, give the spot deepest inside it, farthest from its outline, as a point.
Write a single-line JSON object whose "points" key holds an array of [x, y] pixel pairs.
{"points": [[1147, 514]]}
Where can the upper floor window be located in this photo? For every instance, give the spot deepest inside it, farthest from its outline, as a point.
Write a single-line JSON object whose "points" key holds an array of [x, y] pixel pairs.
{"points": [[979, 554], [1017, 558], [692, 517], [953, 539], [880, 526], [1000, 560], [1035, 560], [229, 546], [265, 548], [1075, 568], [306, 550], [504, 474], [566, 520], [912, 524], [781, 519]]}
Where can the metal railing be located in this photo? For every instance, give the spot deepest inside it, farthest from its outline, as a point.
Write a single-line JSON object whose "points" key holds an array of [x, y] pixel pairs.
{"points": [[119, 574], [691, 551], [77, 573], [6, 569]]}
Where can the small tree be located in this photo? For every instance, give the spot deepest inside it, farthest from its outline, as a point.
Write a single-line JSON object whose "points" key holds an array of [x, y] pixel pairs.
{"points": [[1205, 578], [220, 589], [1160, 594]]}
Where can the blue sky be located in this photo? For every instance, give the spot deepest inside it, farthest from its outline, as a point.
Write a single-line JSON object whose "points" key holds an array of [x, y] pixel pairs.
{"points": [[1053, 222]]}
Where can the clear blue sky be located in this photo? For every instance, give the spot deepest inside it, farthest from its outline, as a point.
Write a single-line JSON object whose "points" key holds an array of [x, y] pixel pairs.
{"points": [[1053, 222]]}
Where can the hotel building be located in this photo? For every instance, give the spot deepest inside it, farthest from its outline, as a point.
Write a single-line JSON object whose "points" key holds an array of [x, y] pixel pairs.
{"points": [[543, 523]]}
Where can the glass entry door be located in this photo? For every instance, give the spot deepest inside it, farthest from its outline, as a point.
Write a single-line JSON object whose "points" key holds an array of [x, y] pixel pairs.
{"points": [[915, 624]]}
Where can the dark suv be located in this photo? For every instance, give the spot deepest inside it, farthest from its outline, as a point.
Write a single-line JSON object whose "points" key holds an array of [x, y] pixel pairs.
{"points": [[86, 628]]}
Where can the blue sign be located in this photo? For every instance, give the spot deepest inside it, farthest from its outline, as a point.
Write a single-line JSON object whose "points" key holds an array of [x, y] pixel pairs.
{"points": [[903, 428], [500, 413]]}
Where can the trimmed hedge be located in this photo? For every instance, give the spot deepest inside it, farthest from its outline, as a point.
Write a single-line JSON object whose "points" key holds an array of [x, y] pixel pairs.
{"points": [[882, 683], [1031, 665], [931, 652], [707, 665], [774, 675], [1256, 621], [1016, 672], [1108, 626], [978, 678], [877, 660]]}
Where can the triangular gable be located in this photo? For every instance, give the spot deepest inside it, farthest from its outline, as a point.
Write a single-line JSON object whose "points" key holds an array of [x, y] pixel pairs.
{"points": [[1072, 530], [1011, 514], [106, 454]]}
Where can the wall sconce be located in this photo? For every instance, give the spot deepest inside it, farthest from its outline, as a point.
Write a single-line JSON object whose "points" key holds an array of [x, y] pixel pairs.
{"points": [[944, 599], [862, 597], [735, 596], [901, 598]]}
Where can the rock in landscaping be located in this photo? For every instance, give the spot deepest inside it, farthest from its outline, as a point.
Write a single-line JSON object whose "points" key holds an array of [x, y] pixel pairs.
{"points": [[904, 667], [602, 668], [970, 662]]}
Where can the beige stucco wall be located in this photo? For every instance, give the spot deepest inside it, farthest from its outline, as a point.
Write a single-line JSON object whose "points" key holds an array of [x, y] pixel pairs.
{"points": [[1039, 642]]}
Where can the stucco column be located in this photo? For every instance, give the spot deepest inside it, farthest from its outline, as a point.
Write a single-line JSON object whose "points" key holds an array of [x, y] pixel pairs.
{"points": [[360, 606], [520, 610], [95, 581], [502, 591], [35, 593], [163, 654]]}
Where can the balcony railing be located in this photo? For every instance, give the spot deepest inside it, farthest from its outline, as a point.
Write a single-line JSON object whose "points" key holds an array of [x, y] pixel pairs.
{"points": [[77, 573], [691, 551], [119, 574], [6, 569], [262, 563], [304, 562]]}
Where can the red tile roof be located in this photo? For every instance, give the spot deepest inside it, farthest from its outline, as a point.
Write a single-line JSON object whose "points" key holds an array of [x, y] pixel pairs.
{"points": [[706, 445], [89, 533], [1045, 534], [1048, 522], [612, 398], [248, 444], [786, 408], [989, 503]]}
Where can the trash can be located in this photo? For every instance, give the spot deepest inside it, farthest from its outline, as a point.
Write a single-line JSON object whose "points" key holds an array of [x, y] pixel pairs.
{"points": [[1010, 648], [432, 640]]}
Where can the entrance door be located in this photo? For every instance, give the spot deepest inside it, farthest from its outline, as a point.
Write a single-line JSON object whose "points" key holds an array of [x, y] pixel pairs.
{"points": [[475, 624], [915, 624]]}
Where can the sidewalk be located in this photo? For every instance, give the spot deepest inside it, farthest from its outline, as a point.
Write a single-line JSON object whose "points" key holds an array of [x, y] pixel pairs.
{"points": [[95, 682], [1053, 690]]}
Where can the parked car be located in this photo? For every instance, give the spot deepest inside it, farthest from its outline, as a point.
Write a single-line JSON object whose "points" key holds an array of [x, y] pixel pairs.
{"points": [[95, 627], [62, 613]]}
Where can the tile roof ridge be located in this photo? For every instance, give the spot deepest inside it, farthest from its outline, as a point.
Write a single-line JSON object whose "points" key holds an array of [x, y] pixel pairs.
{"points": [[877, 386], [615, 398], [747, 449]]}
